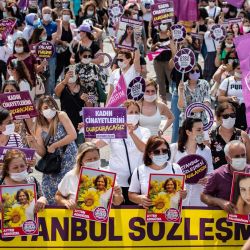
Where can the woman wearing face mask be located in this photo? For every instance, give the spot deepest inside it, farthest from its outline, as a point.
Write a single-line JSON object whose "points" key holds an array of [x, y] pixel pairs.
{"points": [[163, 63], [225, 132], [156, 161], [245, 26], [54, 128], [126, 154], [195, 89], [15, 173], [62, 44], [32, 21], [190, 141], [230, 90], [88, 156], [152, 110]]}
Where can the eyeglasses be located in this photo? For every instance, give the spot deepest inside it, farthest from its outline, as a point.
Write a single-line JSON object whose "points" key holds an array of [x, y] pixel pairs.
{"points": [[120, 60], [226, 116], [160, 151], [87, 56], [192, 71]]}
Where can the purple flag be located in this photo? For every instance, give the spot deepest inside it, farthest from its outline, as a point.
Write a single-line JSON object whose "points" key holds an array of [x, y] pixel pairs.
{"points": [[236, 3], [186, 10]]}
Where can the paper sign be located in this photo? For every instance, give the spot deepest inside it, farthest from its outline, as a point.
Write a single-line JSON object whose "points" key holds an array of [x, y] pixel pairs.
{"points": [[194, 167], [197, 41], [184, 60], [162, 12], [136, 89], [115, 11], [164, 193], [178, 32], [29, 153], [45, 50], [218, 32], [6, 27], [105, 123]]}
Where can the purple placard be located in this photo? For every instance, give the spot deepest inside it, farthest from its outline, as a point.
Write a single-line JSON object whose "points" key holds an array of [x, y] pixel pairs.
{"points": [[236, 3], [19, 104], [190, 107], [218, 32], [6, 26], [184, 60], [178, 33], [194, 167], [107, 64], [29, 153], [115, 11], [163, 12], [45, 50], [136, 88], [105, 123]]}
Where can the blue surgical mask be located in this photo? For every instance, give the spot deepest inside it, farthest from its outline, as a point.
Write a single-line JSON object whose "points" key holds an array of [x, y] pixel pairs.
{"points": [[194, 76]]}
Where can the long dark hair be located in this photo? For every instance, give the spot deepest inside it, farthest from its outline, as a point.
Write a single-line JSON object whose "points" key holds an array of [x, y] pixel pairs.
{"points": [[237, 194], [26, 48], [124, 36], [183, 137], [35, 37]]}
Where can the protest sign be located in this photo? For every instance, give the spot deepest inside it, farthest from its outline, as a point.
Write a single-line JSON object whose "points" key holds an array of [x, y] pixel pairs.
{"points": [[236, 3], [208, 110], [45, 50], [18, 217], [94, 195], [6, 26], [136, 89], [186, 10], [119, 95], [105, 123], [19, 104], [162, 12], [240, 197], [197, 41], [164, 193], [107, 60], [194, 167], [128, 28], [184, 60], [115, 11], [178, 33], [29, 153], [218, 32]]}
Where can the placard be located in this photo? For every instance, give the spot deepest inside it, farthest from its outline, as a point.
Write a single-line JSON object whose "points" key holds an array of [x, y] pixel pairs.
{"points": [[29, 152], [218, 32], [105, 123], [94, 195], [164, 193], [194, 167], [197, 41], [162, 12], [184, 60], [128, 28], [107, 60], [115, 11], [18, 217], [6, 26], [189, 109], [240, 197], [19, 104], [136, 88], [45, 50], [178, 33]]}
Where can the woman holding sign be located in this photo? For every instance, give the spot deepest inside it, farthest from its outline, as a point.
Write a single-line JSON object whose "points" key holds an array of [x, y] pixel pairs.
{"points": [[190, 142]]}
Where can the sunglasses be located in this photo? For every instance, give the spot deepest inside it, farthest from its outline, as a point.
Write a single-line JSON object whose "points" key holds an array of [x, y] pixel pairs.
{"points": [[87, 56], [226, 116], [159, 151], [120, 60], [193, 71]]}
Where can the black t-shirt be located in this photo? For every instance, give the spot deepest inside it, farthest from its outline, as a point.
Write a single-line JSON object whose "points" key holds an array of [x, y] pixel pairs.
{"points": [[72, 105], [218, 144]]}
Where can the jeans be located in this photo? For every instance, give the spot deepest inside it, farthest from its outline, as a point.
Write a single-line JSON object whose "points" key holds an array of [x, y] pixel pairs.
{"points": [[52, 71], [176, 112]]}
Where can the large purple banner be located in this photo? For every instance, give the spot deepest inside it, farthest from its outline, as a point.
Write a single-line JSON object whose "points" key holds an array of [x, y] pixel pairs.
{"points": [[186, 10], [105, 123]]}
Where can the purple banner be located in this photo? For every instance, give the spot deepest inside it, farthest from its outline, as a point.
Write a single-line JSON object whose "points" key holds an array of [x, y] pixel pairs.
{"points": [[45, 50], [6, 26], [236, 3], [19, 104], [194, 167], [105, 123], [186, 10], [29, 153], [162, 12], [243, 52]]}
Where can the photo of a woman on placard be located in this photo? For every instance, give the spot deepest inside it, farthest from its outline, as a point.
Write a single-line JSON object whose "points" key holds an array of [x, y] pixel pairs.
{"points": [[127, 39], [241, 196]]}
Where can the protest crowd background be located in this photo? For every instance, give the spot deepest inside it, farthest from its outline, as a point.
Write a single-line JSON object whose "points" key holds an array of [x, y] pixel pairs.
{"points": [[135, 88]]}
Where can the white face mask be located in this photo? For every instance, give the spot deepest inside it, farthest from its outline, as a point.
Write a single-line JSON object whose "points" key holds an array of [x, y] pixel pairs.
{"points": [[122, 65], [116, 2], [9, 129], [46, 17], [36, 22], [239, 164], [211, 4], [14, 8], [150, 98], [199, 138], [93, 164], [160, 160], [19, 50], [65, 5], [228, 123], [9, 72], [90, 12], [229, 45], [86, 60], [135, 16], [246, 29], [43, 38], [163, 27], [19, 176], [49, 113], [238, 75], [66, 18], [133, 119]]}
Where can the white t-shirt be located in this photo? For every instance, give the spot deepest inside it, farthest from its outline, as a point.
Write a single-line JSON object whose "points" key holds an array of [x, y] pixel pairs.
{"points": [[210, 43], [147, 16], [233, 88], [193, 191], [213, 12], [118, 162], [141, 185], [128, 76]]}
